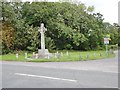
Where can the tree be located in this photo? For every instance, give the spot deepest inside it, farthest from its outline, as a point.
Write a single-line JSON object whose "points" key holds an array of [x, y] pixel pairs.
{"points": [[70, 25], [7, 37]]}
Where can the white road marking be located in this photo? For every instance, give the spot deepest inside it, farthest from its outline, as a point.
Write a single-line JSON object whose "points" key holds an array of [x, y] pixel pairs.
{"points": [[30, 75]]}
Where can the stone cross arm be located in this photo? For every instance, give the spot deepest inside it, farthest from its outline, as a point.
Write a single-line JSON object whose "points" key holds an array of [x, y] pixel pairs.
{"points": [[42, 28]]}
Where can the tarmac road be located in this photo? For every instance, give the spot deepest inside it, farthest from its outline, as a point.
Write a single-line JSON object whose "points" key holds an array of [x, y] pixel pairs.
{"points": [[86, 74]]}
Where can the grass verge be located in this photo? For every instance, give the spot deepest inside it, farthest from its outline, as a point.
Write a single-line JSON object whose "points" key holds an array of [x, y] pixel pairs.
{"points": [[71, 56]]}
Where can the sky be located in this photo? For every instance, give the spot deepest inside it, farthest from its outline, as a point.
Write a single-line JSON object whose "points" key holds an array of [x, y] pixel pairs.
{"points": [[108, 8]]}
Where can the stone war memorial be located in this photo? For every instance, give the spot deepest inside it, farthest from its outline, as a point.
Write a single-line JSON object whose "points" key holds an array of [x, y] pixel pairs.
{"points": [[42, 53]]}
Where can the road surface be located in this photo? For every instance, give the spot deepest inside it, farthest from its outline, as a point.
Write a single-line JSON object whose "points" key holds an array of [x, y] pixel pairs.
{"points": [[86, 74]]}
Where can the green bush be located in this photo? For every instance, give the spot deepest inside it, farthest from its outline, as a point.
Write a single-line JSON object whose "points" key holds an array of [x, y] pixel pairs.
{"points": [[113, 47], [4, 49]]}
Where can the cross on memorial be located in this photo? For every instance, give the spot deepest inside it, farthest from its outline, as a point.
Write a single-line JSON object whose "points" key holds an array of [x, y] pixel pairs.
{"points": [[42, 31]]}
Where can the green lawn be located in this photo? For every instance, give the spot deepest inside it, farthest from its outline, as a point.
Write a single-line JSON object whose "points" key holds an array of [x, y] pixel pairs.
{"points": [[72, 56]]}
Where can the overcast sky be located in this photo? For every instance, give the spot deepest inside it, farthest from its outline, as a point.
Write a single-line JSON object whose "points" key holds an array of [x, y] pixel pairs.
{"points": [[108, 8]]}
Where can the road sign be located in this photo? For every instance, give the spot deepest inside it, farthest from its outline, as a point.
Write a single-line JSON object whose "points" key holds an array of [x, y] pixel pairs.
{"points": [[106, 40]]}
